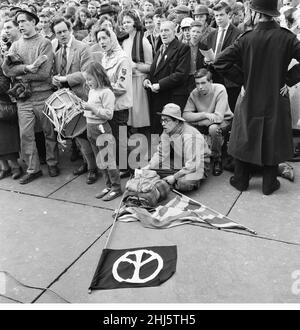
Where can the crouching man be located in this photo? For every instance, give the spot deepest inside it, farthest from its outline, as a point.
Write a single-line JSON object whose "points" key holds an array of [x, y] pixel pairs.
{"points": [[182, 156], [208, 110]]}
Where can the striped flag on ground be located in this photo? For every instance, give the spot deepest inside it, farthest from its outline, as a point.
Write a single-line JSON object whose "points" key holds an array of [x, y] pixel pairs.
{"points": [[179, 211]]}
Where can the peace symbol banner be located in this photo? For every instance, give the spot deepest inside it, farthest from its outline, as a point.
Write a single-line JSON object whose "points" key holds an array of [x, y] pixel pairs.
{"points": [[132, 268]]}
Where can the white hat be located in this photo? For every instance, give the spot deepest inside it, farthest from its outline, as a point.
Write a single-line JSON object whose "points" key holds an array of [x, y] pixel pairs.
{"points": [[186, 22]]}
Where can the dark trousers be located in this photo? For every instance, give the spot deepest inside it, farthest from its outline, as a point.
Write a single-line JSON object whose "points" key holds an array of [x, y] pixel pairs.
{"points": [[118, 126], [233, 93], [243, 170]]}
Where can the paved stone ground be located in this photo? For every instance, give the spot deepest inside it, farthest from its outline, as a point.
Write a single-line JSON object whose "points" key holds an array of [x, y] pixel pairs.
{"points": [[53, 230]]}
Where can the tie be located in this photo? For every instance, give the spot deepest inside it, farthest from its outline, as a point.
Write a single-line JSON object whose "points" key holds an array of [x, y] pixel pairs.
{"points": [[163, 48], [220, 44], [63, 61]]}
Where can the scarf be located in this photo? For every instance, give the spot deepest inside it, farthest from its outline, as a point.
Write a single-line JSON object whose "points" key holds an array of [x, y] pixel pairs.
{"points": [[114, 54], [137, 53]]}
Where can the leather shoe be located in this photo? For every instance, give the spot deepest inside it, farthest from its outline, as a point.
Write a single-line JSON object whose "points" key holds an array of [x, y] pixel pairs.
{"points": [[112, 195], [275, 186], [5, 173], [28, 177], [16, 173], [238, 185], [103, 193], [80, 170], [53, 171], [92, 176], [217, 168], [286, 171]]}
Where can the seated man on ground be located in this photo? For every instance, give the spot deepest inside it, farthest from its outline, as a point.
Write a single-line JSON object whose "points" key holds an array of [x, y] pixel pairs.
{"points": [[208, 110], [182, 157]]}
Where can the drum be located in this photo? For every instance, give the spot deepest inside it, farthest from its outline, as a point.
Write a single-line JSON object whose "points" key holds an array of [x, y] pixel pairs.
{"points": [[65, 110]]}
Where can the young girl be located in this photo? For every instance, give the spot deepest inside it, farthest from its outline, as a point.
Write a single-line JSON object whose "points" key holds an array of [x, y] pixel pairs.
{"points": [[98, 110]]}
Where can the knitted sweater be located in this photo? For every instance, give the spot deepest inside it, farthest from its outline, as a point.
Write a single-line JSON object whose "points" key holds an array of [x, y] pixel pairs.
{"points": [[214, 104], [104, 101], [29, 49]]}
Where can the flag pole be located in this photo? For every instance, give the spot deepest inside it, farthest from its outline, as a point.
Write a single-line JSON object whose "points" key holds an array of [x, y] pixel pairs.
{"points": [[182, 195], [112, 228], [115, 220]]}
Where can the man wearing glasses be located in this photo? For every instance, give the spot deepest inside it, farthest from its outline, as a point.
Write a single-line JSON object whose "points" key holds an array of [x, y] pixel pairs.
{"points": [[182, 156]]}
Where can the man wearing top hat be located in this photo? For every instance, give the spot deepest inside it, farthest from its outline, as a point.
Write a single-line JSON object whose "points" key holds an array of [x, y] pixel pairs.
{"points": [[36, 53], [182, 156], [261, 130]]}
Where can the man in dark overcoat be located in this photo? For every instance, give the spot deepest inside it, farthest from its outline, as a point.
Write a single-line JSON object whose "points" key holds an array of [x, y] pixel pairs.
{"points": [[261, 131], [168, 75]]}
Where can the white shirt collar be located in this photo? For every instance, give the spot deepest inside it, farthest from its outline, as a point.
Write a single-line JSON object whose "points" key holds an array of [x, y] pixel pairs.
{"points": [[70, 42], [225, 28]]}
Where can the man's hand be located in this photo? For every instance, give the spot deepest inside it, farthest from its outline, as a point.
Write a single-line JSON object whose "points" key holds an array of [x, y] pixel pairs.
{"points": [[147, 83], [170, 179], [31, 68], [207, 61], [284, 90], [34, 67], [58, 80], [155, 88]]}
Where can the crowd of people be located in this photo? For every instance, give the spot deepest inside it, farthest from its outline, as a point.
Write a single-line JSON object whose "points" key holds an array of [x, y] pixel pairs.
{"points": [[216, 81]]}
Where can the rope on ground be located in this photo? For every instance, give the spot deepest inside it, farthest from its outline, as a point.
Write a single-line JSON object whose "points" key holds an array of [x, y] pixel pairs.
{"points": [[12, 299], [30, 287]]}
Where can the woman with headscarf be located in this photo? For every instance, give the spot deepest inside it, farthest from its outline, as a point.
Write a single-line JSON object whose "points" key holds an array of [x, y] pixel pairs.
{"points": [[118, 67], [139, 50]]}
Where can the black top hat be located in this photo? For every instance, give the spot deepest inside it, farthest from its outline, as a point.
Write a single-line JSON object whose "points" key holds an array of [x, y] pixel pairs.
{"points": [[266, 7], [28, 12], [106, 9]]}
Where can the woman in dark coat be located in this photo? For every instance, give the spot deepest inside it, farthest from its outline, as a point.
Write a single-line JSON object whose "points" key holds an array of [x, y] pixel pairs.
{"points": [[9, 135], [261, 130]]}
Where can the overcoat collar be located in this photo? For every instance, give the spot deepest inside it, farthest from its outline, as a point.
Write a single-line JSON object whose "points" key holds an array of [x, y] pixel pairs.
{"points": [[167, 55], [267, 26]]}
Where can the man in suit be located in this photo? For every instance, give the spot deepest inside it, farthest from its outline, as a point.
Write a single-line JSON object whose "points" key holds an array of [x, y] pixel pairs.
{"points": [[224, 36], [71, 59], [168, 74]]}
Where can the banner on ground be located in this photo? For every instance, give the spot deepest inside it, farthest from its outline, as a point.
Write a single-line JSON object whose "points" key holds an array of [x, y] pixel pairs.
{"points": [[137, 267], [180, 210]]}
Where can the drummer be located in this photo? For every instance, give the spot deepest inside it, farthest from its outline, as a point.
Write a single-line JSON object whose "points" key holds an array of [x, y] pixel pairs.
{"points": [[71, 60]]}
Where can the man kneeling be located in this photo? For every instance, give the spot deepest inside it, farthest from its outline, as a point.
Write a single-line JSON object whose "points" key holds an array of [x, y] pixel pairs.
{"points": [[182, 157], [208, 110]]}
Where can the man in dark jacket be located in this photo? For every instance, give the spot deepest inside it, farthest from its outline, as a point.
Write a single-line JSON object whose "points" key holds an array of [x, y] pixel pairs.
{"points": [[168, 75], [218, 40], [261, 131]]}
